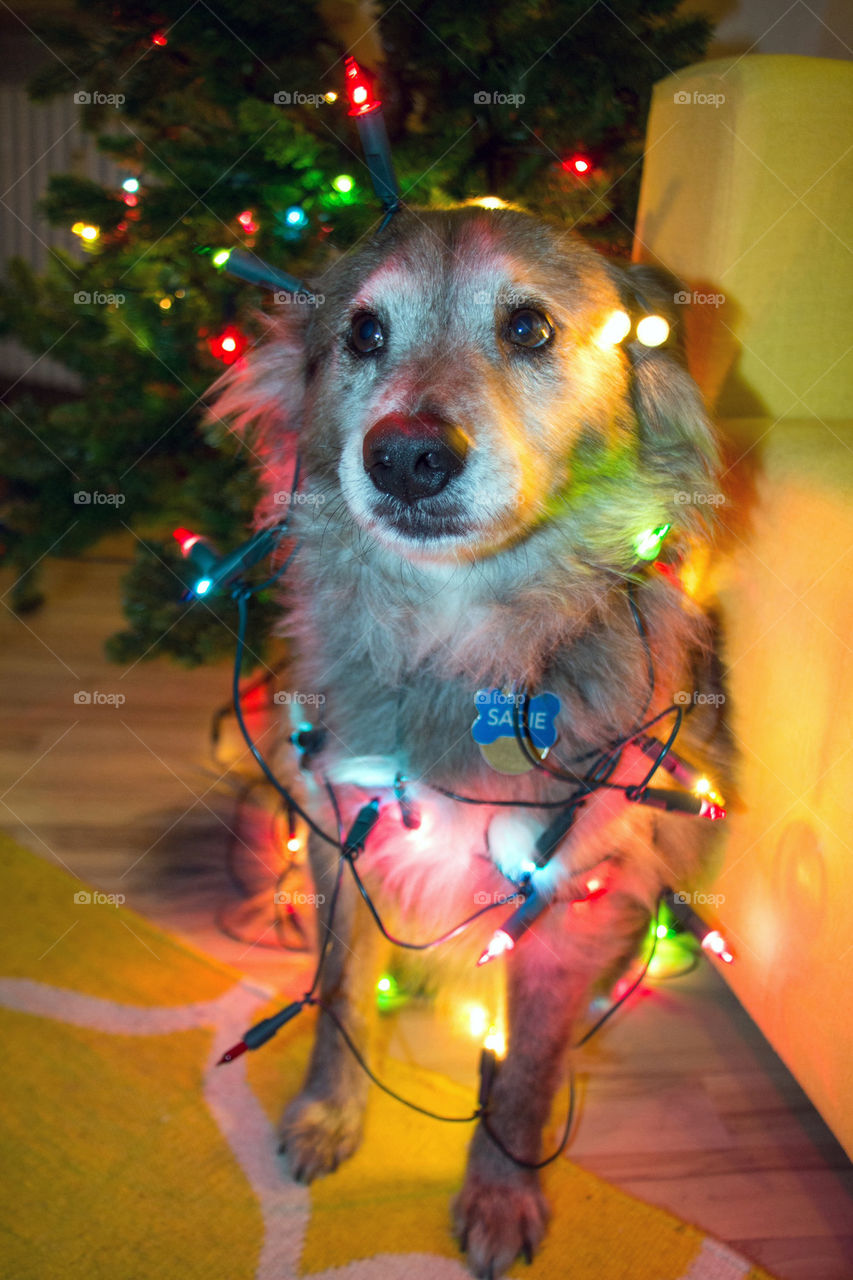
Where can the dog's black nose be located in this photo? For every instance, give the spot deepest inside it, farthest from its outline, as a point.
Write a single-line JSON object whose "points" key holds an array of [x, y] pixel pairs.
{"points": [[413, 457]]}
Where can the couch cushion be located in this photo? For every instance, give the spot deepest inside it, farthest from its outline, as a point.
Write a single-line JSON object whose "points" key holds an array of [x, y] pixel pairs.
{"points": [[746, 195]]}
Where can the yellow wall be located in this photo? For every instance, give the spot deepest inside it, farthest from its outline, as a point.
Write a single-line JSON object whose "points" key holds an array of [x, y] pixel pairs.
{"points": [[747, 198]]}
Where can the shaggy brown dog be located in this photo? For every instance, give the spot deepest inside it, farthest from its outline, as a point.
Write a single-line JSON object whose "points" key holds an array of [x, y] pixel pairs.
{"points": [[477, 464]]}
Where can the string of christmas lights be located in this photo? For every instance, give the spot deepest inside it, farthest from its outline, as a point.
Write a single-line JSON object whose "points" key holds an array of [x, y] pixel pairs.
{"points": [[220, 573]]}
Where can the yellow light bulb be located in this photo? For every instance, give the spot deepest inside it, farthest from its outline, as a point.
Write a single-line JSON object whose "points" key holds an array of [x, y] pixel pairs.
{"points": [[616, 327], [90, 233], [489, 202], [77, 229], [702, 787], [478, 1020], [330, 97], [496, 1041], [652, 331], [165, 304]]}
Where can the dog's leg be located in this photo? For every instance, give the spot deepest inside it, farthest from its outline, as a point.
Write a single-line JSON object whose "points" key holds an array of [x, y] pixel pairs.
{"points": [[501, 1210], [323, 1123]]}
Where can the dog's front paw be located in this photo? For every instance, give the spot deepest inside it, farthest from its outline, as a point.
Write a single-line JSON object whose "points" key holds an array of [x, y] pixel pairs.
{"points": [[318, 1133], [498, 1220]]}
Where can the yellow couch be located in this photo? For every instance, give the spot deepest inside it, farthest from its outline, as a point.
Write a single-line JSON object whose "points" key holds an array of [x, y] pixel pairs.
{"points": [[747, 197]]}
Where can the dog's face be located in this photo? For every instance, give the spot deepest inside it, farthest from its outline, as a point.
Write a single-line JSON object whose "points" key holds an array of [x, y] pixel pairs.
{"points": [[457, 371], [453, 388]]}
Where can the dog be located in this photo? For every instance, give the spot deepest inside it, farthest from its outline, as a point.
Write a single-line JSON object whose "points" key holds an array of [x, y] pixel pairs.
{"points": [[478, 455]]}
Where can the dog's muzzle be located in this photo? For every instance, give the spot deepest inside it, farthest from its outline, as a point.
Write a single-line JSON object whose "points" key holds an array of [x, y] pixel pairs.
{"points": [[413, 457]]}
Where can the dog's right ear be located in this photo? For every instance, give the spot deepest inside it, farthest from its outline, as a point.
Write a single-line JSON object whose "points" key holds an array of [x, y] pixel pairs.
{"points": [[676, 437], [261, 398]]}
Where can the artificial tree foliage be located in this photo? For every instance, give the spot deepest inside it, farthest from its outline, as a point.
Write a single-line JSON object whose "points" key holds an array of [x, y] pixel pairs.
{"points": [[203, 126]]}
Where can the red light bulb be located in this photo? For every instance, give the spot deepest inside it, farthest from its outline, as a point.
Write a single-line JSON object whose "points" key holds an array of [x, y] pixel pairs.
{"points": [[159, 38], [359, 90], [578, 164], [498, 944], [228, 345], [186, 539], [717, 945]]}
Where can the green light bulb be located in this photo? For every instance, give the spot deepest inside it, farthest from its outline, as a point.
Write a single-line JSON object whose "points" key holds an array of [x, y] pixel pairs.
{"points": [[647, 544], [221, 257], [343, 183]]}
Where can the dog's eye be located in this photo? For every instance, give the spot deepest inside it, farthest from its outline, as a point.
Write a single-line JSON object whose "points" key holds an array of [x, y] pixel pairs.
{"points": [[529, 328], [366, 333]]}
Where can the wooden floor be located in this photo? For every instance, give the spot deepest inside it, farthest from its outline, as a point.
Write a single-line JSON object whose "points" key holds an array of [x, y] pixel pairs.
{"points": [[683, 1103]]}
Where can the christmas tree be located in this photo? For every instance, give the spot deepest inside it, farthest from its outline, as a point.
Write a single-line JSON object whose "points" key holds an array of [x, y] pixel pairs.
{"points": [[230, 124]]}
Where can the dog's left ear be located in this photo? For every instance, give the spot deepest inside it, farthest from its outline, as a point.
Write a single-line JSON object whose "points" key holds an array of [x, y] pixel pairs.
{"points": [[676, 436]]}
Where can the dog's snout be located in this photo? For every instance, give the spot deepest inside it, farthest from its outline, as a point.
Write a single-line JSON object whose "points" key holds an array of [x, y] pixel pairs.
{"points": [[413, 457]]}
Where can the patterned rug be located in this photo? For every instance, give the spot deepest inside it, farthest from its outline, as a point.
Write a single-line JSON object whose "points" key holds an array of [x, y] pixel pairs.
{"points": [[128, 1154]]}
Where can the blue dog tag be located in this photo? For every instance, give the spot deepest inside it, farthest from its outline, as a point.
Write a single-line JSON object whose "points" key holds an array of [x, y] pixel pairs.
{"points": [[498, 712]]}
